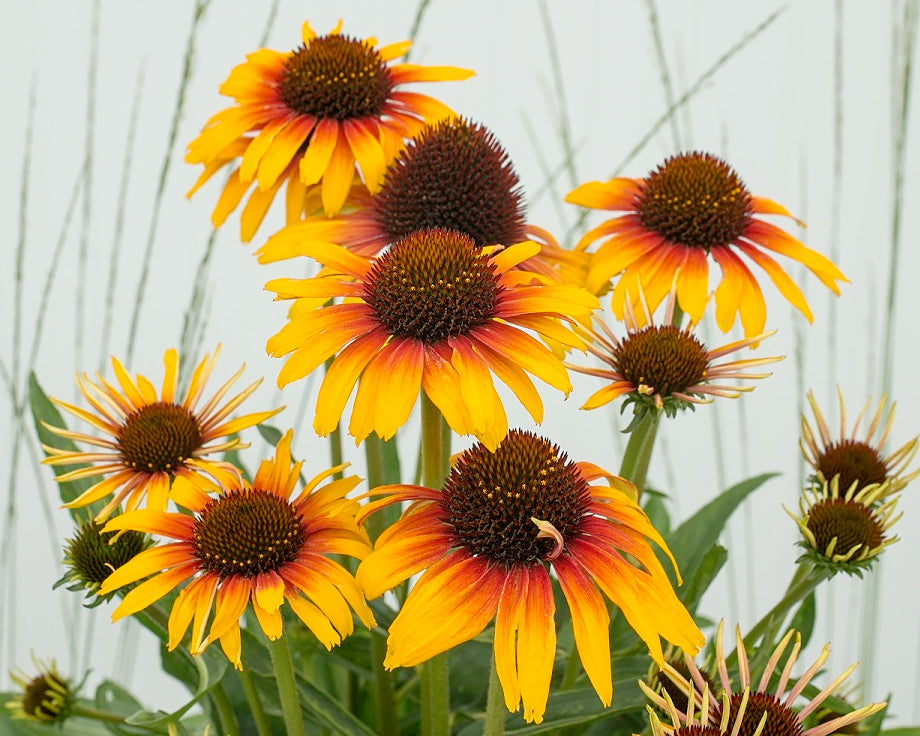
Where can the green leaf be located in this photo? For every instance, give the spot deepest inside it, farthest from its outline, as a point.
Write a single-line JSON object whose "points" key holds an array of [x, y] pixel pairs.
{"points": [[903, 731], [655, 507], [804, 619], [693, 540], [707, 571], [572, 708], [44, 411], [272, 435], [329, 712]]}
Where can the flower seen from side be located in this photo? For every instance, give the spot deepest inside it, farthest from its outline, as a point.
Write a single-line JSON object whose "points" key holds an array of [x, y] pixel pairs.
{"points": [[767, 708], [307, 117], [251, 545], [435, 313], [154, 442], [485, 545], [846, 533], [663, 366], [47, 697], [694, 207], [854, 458], [453, 175]]}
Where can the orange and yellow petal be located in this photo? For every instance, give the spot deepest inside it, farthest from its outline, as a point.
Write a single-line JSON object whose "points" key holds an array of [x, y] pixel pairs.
{"points": [[452, 602]]}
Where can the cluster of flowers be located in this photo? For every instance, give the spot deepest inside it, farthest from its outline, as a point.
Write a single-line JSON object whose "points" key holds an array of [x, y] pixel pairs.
{"points": [[432, 283]]}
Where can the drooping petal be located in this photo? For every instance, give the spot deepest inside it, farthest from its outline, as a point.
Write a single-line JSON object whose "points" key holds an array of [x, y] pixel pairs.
{"points": [[590, 624], [451, 603]]}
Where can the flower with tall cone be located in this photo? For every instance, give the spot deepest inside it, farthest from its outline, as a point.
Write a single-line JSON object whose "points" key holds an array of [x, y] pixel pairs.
{"points": [[453, 175], [846, 533], [663, 366], [485, 545], [252, 544], [307, 117], [856, 460], [435, 313], [154, 442], [693, 207], [764, 709]]}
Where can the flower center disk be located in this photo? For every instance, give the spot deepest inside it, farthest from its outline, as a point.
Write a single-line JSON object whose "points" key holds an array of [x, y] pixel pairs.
{"points": [[695, 199], [159, 437], [662, 357], [781, 721], [44, 697], [453, 175], [336, 77], [490, 498], [247, 532], [854, 462], [432, 285], [851, 522]]}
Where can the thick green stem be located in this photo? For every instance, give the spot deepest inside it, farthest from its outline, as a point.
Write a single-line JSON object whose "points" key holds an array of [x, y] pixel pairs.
{"points": [[287, 687], [434, 678], [495, 705], [638, 452], [384, 693], [228, 722], [435, 696], [263, 727], [335, 437]]}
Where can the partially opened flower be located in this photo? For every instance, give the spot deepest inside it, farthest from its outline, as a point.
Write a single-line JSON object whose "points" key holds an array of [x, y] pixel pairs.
{"points": [[663, 366], [252, 544], [47, 697], [845, 533], [854, 459], [435, 313], [693, 207], [90, 557], [307, 117], [453, 175], [764, 709], [485, 545], [153, 442]]}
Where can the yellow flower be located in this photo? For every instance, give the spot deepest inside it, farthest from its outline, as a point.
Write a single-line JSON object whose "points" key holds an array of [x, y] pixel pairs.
{"points": [[250, 544], [306, 117], [486, 543], [856, 461], [691, 207], [154, 442], [434, 313]]}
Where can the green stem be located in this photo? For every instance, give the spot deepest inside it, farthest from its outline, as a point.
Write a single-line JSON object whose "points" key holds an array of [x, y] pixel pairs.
{"points": [[434, 678], [495, 705], [263, 727], [804, 581], [335, 437], [225, 711], [84, 711], [283, 667], [384, 693], [639, 450], [571, 669]]}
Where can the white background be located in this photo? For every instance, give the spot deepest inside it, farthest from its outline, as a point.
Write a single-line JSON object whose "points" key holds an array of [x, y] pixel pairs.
{"points": [[769, 111]]}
